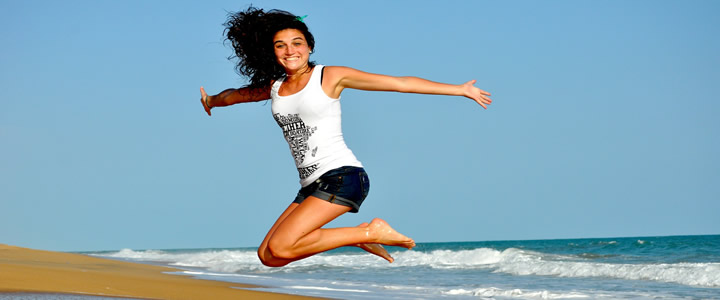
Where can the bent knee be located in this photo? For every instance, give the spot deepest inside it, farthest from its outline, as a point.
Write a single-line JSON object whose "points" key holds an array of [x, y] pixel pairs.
{"points": [[280, 249], [273, 262], [268, 260]]}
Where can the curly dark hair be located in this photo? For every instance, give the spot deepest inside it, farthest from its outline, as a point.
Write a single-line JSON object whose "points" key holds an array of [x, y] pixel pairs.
{"points": [[251, 33]]}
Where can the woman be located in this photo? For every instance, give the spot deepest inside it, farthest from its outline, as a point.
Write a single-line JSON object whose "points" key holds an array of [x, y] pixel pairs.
{"points": [[273, 50]]}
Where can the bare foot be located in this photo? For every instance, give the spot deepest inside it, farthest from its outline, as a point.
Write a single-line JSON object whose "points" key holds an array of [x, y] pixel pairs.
{"points": [[378, 250], [375, 249], [384, 234]]}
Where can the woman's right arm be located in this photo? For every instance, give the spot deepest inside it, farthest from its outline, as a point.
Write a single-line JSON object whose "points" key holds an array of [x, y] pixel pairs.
{"points": [[233, 96]]}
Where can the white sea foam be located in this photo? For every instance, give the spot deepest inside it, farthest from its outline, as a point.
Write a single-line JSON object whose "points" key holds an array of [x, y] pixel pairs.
{"points": [[227, 261], [322, 288], [518, 262], [521, 262], [147, 255], [510, 261], [447, 259], [514, 293]]}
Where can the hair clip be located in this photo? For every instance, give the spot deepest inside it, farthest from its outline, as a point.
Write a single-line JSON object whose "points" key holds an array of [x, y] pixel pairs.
{"points": [[299, 18]]}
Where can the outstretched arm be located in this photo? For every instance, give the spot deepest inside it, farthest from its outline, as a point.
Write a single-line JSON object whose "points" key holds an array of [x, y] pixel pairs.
{"points": [[339, 78], [232, 96]]}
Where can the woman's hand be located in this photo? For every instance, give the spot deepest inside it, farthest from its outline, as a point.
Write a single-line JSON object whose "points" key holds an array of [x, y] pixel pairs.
{"points": [[480, 96], [203, 99]]}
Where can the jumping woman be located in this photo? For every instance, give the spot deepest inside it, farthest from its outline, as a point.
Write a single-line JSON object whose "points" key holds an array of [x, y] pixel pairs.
{"points": [[273, 51]]}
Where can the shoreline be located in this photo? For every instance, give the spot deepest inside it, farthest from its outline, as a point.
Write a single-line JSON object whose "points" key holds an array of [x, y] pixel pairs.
{"points": [[30, 271]]}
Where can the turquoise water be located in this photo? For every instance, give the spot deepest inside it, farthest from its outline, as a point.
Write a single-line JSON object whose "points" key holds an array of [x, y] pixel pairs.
{"points": [[686, 267]]}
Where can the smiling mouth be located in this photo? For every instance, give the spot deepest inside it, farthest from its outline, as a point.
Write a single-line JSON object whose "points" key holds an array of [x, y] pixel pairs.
{"points": [[292, 58]]}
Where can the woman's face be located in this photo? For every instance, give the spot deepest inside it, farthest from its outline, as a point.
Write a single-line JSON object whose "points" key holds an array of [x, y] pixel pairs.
{"points": [[291, 50]]}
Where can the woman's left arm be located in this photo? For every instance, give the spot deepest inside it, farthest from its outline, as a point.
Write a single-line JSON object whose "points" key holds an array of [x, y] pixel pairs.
{"points": [[339, 78]]}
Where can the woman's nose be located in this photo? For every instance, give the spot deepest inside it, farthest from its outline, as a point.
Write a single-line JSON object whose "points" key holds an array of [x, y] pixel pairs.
{"points": [[290, 50]]}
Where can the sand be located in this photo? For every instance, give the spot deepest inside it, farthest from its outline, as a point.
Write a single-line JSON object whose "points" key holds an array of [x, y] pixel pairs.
{"points": [[37, 271]]}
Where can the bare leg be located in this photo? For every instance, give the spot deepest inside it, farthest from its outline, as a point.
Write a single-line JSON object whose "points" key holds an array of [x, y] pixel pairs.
{"points": [[267, 259], [298, 234], [263, 252]]}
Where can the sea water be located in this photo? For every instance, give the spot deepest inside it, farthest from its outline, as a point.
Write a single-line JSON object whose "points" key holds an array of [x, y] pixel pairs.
{"points": [[676, 267]]}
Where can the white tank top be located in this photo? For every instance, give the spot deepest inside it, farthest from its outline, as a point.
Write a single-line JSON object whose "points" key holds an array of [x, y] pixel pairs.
{"points": [[311, 124]]}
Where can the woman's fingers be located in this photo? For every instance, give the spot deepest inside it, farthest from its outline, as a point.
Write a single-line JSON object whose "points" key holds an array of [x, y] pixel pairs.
{"points": [[203, 100], [480, 96]]}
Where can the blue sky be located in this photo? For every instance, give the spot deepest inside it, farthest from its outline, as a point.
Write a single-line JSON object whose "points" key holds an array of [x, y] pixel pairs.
{"points": [[604, 122]]}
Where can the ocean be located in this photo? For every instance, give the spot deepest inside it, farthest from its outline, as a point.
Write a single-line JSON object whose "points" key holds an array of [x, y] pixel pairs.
{"points": [[672, 267]]}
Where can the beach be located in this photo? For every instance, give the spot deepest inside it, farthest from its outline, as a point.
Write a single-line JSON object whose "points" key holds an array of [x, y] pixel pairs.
{"points": [[25, 270], [668, 267]]}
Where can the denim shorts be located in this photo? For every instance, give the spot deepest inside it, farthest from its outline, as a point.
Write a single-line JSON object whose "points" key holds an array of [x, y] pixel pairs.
{"points": [[346, 186]]}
